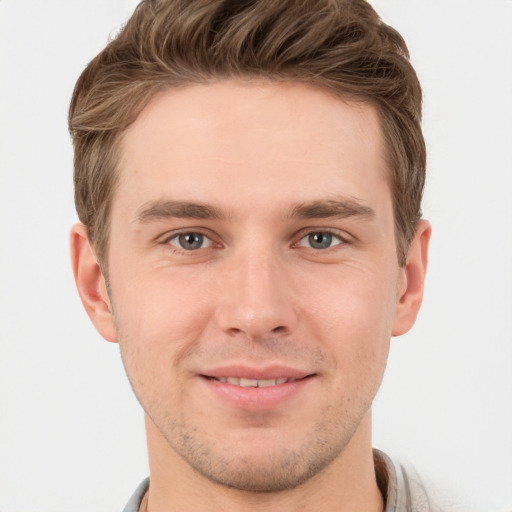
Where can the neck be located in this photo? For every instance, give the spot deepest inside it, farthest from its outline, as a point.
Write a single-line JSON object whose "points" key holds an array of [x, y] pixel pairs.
{"points": [[348, 483]]}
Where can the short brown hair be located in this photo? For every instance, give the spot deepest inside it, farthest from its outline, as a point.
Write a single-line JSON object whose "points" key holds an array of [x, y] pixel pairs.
{"points": [[341, 45]]}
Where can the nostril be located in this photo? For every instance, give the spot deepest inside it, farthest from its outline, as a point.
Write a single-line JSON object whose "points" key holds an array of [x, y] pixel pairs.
{"points": [[279, 329]]}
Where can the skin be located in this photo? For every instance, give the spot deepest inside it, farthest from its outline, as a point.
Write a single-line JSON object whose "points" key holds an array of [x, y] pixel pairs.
{"points": [[264, 174]]}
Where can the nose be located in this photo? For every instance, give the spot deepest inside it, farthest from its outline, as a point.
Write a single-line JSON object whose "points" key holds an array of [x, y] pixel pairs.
{"points": [[256, 296]]}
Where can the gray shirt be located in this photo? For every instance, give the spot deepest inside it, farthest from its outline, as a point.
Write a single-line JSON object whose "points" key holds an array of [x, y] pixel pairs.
{"points": [[402, 489]]}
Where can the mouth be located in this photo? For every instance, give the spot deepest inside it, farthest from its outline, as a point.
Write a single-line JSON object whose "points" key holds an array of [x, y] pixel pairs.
{"points": [[258, 389], [256, 383]]}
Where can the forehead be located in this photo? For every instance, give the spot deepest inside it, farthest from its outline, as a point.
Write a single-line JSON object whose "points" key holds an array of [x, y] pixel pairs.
{"points": [[291, 141]]}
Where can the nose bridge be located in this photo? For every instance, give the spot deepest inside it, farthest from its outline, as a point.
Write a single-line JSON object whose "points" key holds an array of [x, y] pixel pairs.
{"points": [[257, 297]]}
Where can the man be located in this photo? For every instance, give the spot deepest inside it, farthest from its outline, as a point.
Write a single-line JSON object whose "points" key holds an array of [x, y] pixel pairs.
{"points": [[248, 177]]}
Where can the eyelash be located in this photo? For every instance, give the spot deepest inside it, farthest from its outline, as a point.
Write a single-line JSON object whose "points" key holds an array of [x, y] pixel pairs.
{"points": [[341, 240], [176, 248], [334, 234]]}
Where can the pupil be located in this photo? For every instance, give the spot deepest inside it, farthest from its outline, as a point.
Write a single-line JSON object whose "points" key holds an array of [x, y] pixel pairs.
{"points": [[320, 240], [191, 240]]}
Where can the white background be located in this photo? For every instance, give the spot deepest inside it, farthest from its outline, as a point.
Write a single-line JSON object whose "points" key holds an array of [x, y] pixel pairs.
{"points": [[71, 433]]}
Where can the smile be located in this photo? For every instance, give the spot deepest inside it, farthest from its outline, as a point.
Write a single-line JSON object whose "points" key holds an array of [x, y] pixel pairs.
{"points": [[253, 383], [258, 389]]}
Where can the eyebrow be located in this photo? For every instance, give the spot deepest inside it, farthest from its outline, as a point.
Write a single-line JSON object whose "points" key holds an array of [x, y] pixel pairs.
{"points": [[321, 209], [339, 209], [161, 210]]}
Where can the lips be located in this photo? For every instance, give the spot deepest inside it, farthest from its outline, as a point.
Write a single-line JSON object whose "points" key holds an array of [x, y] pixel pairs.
{"points": [[253, 383], [246, 376], [257, 389]]}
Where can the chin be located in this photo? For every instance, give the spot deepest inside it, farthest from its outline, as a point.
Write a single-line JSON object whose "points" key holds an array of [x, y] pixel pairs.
{"points": [[279, 472], [261, 463]]}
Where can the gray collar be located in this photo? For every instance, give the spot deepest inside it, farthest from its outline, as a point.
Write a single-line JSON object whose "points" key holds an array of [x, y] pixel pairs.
{"points": [[402, 489]]}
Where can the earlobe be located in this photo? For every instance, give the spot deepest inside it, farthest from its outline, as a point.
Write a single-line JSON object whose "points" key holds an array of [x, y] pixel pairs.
{"points": [[411, 293], [91, 283]]}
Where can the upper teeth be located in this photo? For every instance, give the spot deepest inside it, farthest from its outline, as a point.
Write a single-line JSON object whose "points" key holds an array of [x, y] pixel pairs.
{"points": [[253, 383]]}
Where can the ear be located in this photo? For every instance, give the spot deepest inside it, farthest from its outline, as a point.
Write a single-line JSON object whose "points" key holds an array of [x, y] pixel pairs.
{"points": [[91, 283], [412, 280]]}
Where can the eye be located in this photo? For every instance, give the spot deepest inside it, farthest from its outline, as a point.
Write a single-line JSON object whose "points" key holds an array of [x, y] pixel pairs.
{"points": [[190, 241], [320, 240]]}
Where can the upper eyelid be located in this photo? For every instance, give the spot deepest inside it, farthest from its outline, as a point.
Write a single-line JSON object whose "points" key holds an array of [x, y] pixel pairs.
{"points": [[342, 235], [172, 234], [165, 243], [176, 246], [294, 238], [337, 238]]}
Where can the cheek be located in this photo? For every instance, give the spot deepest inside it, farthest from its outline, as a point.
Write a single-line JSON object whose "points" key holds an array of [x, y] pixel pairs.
{"points": [[352, 313], [159, 318], [158, 326]]}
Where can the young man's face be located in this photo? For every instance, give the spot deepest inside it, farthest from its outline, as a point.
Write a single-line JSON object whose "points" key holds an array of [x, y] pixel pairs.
{"points": [[252, 244]]}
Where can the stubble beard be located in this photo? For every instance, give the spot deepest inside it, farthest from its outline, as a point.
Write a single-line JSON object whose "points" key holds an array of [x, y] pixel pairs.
{"points": [[259, 470], [262, 471]]}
